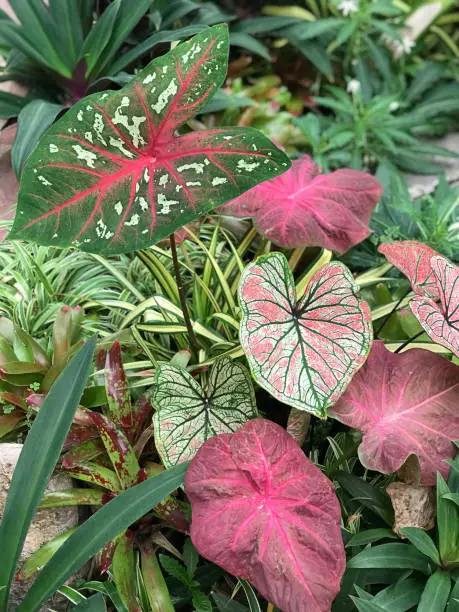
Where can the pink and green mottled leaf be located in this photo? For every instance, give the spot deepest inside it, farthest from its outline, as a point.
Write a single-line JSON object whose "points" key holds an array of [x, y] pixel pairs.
{"points": [[305, 208], [111, 176], [118, 395], [404, 404], [304, 353], [187, 415], [119, 451], [265, 513], [441, 322], [413, 259]]}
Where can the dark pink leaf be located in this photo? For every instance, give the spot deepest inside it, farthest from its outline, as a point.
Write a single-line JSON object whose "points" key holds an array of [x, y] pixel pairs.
{"points": [[413, 259], [404, 404], [303, 208], [265, 513], [441, 322]]}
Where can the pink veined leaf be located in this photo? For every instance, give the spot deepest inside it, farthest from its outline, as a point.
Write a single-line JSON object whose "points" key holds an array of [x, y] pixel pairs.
{"points": [[413, 260], [441, 322], [304, 208], [111, 175], [304, 353], [404, 404], [265, 513]]}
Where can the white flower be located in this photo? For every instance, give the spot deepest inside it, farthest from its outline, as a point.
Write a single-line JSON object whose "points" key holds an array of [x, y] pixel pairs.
{"points": [[353, 86], [407, 44], [348, 6], [393, 106]]}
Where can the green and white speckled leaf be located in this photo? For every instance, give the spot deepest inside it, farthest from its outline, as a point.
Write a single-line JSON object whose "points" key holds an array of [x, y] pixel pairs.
{"points": [[113, 176], [186, 415]]}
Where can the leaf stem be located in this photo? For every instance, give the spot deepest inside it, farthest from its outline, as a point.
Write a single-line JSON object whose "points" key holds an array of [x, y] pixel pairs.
{"points": [[388, 316], [178, 277], [409, 341], [298, 425]]}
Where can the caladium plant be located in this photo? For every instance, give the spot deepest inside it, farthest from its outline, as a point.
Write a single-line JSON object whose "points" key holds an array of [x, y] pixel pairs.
{"points": [[304, 353], [187, 415], [404, 404], [264, 512], [305, 208], [111, 175], [433, 278]]}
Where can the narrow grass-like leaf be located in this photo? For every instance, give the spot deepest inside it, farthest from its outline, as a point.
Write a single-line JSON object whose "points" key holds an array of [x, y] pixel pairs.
{"points": [[390, 556], [101, 527], [436, 593], [423, 542], [35, 467]]}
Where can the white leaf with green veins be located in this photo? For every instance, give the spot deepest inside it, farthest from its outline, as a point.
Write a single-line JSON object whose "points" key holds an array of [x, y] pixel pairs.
{"points": [[187, 415]]}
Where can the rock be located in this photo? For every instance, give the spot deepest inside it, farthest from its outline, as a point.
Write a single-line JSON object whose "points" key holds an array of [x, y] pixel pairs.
{"points": [[423, 184], [414, 506], [47, 524]]}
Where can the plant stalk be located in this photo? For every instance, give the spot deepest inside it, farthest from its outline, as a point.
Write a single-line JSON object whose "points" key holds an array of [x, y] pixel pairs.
{"points": [[388, 316], [178, 277], [409, 341]]}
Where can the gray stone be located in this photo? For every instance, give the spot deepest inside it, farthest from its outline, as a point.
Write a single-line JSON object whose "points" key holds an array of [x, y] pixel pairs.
{"points": [[46, 525]]}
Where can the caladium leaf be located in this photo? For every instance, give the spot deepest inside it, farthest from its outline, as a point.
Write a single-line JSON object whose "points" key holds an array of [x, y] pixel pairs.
{"points": [[304, 353], [405, 404], [413, 259], [187, 415], [303, 208], [441, 322], [111, 176], [265, 513]]}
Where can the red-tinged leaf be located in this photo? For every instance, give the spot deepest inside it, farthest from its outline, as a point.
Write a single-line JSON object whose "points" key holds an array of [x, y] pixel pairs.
{"points": [[78, 435], [441, 322], [96, 474], [9, 422], [82, 415], [143, 413], [74, 497], [304, 353], [120, 452], [265, 513], [172, 511], [413, 259], [303, 208], [104, 558], [117, 388], [80, 453], [405, 404], [111, 176]]}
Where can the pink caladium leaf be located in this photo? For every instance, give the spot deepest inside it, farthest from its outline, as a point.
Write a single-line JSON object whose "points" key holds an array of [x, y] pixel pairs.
{"points": [[441, 322], [305, 208], [265, 513], [413, 259], [404, 404], [112, 176], [304, 353]]}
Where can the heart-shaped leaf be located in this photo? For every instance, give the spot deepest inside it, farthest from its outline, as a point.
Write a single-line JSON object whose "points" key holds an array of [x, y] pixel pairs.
{"points": [[304, 353], [413, 259], [265, 513], [111, 176], [303, 208], [441, 322], [405, 404], [186, 415]]}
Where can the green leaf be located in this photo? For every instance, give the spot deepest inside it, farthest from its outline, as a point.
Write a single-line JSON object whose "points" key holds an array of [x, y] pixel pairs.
{"points": [[453, 602], [401, 596], [155, 585], [35, 467], [436, 593], [133, 180], [38, 559], [95, 603], [33, 120], [249, 43], [254, 604], [368, 536], [70, 17], [11, 105], [201, 603], [393, 556], [73, 497], [447, 524], [124, 570], [104, 525], [99, 36], [190, 557], [175, 568], [423, 542], [186, 415], [226, 604], [364, 605]]}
